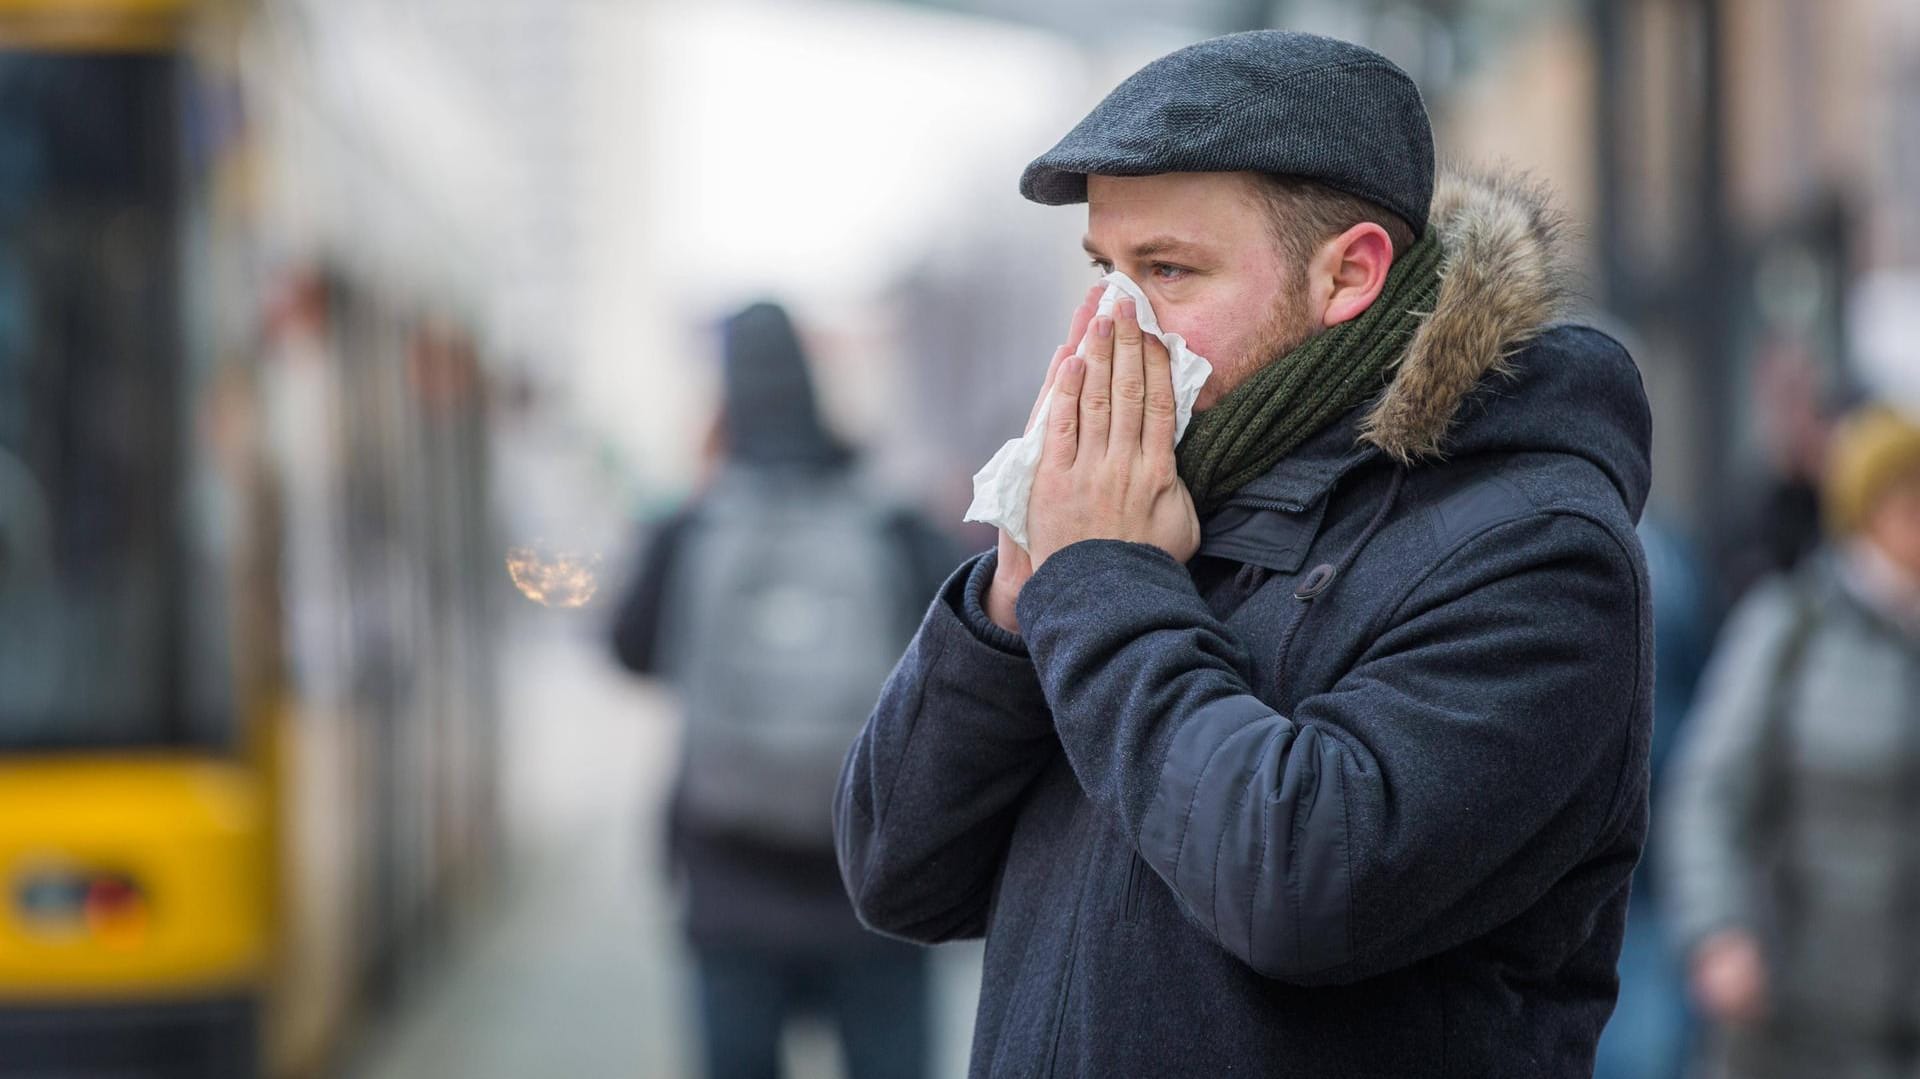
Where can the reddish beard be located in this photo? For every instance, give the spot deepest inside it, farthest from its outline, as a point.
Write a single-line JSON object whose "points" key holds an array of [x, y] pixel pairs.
{"points": [[1288, 326]]}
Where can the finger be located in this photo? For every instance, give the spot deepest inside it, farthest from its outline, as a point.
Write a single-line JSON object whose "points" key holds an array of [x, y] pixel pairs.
{"points": [[1096, 392], [1129, 381], [1063, 422], [1083, 317], [1157, 430], [1046, 386]]}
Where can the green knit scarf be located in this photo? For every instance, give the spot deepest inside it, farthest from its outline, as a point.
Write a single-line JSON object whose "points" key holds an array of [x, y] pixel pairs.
{"points": [[1267, 417]]}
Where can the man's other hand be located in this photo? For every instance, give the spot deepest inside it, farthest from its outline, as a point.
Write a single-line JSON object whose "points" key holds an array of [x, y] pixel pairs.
{"points": [[1729, 977]]}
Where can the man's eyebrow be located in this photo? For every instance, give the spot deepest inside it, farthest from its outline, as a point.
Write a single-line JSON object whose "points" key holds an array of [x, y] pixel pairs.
{"points": [[1146, 249]]}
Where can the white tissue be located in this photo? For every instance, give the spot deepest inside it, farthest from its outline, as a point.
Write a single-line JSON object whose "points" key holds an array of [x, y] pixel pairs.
{"points": [[1002, 487]]}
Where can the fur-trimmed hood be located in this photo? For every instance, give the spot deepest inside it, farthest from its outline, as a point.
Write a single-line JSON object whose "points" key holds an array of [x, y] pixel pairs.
{"points": [[1503, 278], [1493, 369]]}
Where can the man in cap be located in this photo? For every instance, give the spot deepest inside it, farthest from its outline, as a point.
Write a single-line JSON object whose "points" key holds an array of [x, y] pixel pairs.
{"points": [[1316, 745]]}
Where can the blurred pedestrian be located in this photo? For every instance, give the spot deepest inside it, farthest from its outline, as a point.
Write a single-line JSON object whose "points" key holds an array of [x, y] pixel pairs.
{"points": [[1648, 1035], [1792, 847], [1314, 743], [775, 604], [1776, 513]]}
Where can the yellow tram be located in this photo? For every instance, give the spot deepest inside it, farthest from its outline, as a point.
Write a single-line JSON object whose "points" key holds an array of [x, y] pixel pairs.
{"points": [[246, 596]]}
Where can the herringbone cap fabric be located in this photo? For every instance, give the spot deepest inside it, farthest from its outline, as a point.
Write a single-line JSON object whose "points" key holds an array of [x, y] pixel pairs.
{"points": [[1270, 101]]}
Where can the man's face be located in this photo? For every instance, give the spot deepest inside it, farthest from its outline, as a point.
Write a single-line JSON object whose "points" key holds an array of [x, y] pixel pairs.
{"points": [[1201, 245]]}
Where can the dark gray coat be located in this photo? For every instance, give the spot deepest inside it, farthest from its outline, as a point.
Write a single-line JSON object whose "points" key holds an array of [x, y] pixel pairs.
{"points": [[1358, 791]]}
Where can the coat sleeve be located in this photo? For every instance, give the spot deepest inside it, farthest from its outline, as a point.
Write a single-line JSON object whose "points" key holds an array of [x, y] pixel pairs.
{"points": [[1712, 793], [1473, 755], [931, 787]]}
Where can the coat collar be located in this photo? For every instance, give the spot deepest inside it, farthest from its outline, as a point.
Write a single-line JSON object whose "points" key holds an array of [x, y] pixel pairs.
{"points": [[1273, 520], [1304, 477]]}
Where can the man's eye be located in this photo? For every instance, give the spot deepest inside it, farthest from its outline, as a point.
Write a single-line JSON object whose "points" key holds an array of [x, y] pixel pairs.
{"points": [[1102, 265], [1165, 272]]}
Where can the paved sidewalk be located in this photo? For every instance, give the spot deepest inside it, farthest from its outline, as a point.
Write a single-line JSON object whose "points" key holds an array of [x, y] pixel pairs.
{"points": [[577, 969]]}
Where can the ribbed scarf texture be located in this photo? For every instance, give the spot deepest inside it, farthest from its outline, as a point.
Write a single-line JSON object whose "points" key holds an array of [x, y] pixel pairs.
{"points": [[1289, 400]]}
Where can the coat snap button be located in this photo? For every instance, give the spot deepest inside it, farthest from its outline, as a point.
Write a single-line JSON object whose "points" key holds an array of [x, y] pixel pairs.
{"points": [[1317, 581]]}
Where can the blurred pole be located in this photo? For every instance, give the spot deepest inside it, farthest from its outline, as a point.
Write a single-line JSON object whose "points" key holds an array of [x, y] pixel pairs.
{"points": [[1693, 306], [1715, 265], [1609, 62]]}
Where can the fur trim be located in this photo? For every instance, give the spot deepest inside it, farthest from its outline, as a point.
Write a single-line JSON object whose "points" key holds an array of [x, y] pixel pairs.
{"points": [[1502, 279]]}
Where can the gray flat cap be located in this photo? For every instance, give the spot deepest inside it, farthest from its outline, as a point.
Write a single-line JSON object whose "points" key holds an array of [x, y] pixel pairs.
{"points": [[1266, 101]]}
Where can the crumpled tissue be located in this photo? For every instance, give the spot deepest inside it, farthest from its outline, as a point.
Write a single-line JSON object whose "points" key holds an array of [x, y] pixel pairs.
{"points": [[1002, 487]]}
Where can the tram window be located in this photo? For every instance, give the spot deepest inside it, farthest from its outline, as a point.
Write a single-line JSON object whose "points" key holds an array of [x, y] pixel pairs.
{"points": [[102, 601]]}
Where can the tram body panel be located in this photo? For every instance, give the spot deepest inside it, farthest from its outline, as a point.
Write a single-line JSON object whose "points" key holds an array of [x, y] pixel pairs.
{"points": [[129, 877]]}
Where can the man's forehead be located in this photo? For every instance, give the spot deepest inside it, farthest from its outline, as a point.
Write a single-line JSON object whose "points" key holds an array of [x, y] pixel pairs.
{"points": [[1167, 211]]}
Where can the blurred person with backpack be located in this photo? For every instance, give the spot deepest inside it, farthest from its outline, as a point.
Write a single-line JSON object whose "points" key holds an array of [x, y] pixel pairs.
{"points": [[776, 604], [1791, 854]]}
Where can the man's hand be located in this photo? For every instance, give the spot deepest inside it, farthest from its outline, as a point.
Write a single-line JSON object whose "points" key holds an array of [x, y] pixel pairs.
{"points": [[1012, 567], [1108, 469], [1729, 977]]}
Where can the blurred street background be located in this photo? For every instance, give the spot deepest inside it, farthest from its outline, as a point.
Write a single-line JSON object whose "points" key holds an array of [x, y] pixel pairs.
{"points": [[349, 348]]}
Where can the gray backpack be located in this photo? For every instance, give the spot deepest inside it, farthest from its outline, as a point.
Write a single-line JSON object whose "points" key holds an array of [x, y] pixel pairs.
{"points": [[783, 622]]}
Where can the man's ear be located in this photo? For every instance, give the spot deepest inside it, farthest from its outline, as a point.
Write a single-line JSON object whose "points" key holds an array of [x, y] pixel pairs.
{"points": [[1350, 271]]}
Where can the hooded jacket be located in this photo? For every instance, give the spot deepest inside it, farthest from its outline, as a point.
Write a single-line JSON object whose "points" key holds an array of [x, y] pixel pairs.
{"points": [[1359, 790], [742, 893]]}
